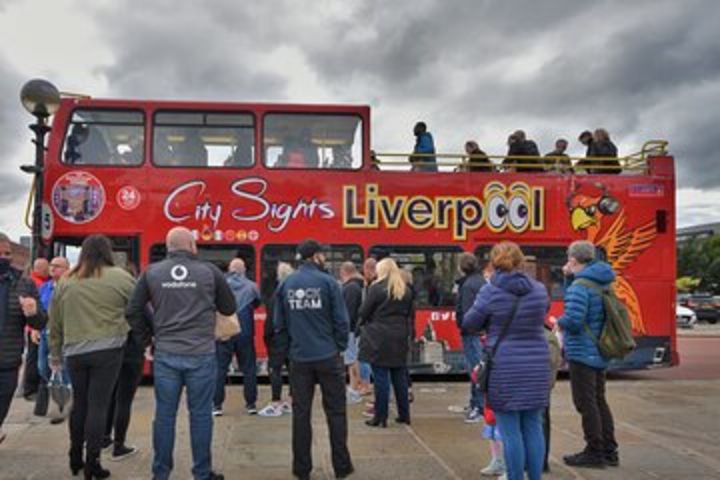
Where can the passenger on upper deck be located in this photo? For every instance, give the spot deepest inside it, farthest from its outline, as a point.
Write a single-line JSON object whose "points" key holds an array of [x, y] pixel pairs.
{"points": [[86, 145], [477, 160], [599, 145], [520, 146], [299, 152], [424, 145], [559, 158], [242, 154], [191, 152]]}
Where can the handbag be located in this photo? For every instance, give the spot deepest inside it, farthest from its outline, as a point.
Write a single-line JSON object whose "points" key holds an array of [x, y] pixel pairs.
{"points": [[60, 397], [226, 326], [481, 372]]}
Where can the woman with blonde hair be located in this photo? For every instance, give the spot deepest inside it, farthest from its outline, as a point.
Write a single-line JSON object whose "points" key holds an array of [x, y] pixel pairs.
{"points": [[385, 320], [511, 308]]}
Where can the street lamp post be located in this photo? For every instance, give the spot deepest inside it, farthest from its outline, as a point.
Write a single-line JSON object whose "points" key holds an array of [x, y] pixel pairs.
{"points": [[42, 100]]}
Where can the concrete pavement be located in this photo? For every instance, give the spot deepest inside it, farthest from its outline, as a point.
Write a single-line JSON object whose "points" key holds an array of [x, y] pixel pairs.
{"points": [[668, 428]]}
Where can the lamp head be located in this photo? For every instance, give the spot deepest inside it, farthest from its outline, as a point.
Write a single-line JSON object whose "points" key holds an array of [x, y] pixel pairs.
{"points": [[40, 97]]}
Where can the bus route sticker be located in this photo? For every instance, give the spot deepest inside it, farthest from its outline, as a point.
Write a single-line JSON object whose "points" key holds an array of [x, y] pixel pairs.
{"points": [[78, 197], [128, 198]]}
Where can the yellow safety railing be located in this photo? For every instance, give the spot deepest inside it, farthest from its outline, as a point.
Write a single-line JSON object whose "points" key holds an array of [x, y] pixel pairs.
{"points": [[635, 162], [28, 207]]}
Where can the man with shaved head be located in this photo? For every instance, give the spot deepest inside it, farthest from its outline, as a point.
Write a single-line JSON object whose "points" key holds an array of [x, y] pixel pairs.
{"points": [[185, 294], [242, 345]]}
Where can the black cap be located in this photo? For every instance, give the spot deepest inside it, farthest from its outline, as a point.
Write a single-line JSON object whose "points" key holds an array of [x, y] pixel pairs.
{"points": [[308, 248]]}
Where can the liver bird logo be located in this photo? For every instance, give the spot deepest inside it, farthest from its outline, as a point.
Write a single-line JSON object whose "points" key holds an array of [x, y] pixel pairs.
{"points": [[591, 205]]}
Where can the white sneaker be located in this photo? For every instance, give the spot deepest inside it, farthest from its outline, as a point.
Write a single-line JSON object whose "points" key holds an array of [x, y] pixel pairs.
{"points": [[353, 397], [495, 467], [286, 408], [217, 412], [271, 411]]}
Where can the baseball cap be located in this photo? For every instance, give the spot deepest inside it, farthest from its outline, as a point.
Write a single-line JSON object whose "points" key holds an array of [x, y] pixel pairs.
{"points": [[309, 247]]}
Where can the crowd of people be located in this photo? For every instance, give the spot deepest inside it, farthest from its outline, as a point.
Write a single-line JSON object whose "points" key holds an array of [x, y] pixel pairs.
{"points": [[350, 335], [523, 155]]}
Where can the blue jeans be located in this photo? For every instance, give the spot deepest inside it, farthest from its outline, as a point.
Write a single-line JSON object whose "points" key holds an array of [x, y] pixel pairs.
{"points": [[365, 371], [244, 350], [523, 442], [43, 360], [472, 350], [197, 374], [399, 377]]}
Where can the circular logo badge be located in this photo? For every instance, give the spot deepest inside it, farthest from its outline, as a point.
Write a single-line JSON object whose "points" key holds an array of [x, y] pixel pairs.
{"points": [[128, 197], [179, 273], [78, 197]]}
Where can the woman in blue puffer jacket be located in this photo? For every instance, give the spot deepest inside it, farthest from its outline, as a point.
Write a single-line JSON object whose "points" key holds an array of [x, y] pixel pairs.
{"points": [[519, 382]]}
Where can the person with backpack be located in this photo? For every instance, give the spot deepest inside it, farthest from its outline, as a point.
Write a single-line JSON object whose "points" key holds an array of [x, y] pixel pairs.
{"points": [[582, 325]]}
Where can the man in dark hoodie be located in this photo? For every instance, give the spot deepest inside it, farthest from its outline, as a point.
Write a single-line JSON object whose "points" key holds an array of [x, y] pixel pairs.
{"points": [[242, 345], [582, 323], [311, 311], [468, 287], [18, 309]]}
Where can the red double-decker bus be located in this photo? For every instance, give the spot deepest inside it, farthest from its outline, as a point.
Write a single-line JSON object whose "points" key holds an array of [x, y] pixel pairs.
{"points": [[253, 180]]}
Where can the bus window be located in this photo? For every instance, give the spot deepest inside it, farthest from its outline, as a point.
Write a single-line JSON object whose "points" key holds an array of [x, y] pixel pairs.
{"points": [[433, 268], [543, 263], [105, 137], [312, 141], [218, 255], [126, 252], [204, 139], [272, 254]]}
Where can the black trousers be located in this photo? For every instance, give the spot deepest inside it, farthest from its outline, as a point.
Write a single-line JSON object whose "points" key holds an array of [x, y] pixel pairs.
{"points": [[31, 376], [8, 384], [276, 379], [118, 417], [588, 393], [93, 378], [330, 374]]}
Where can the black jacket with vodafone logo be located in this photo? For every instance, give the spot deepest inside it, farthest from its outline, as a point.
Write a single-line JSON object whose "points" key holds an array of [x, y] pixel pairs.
{"points": [[184, 293]]}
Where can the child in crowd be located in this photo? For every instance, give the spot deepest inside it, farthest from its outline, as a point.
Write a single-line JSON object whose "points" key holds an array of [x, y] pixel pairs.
{"points": [[491, 432]]}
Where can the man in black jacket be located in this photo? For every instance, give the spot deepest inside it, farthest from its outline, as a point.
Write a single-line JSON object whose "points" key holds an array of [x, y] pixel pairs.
{"points": [[352, 289], [310, 310], [518, 147], [185, 294], [468, 287], [18, 308]]}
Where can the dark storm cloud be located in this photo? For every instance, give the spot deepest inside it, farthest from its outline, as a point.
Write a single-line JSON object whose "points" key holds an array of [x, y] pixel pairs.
{"points": [[12, 120], [173, 50], [643, 69]]}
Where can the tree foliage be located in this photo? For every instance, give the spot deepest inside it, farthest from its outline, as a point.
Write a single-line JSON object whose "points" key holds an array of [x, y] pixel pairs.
{"points": [[700, 259]]}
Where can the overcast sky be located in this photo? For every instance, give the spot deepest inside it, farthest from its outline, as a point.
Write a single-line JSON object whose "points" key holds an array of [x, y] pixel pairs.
{"points": [[471, 69]]}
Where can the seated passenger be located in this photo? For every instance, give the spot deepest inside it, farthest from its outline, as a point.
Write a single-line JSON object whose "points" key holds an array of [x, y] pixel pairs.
{"points": [[519, 146], [424, 145], [86, 145], [558, 157], [477, 160], [191, 152], [602, 152], [133, 156], [162, 150], [242, 154], [299, 152], [342, 157]]}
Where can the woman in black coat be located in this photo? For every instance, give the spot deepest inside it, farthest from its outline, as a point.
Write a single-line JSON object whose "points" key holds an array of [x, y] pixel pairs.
{"points": [[385, 320]]}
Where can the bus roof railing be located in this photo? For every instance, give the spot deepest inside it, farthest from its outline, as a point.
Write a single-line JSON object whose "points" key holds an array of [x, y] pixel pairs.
{"points": [[635, 162]]}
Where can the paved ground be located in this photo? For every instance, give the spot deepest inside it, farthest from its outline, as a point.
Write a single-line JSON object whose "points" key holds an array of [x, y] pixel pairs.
{"points": [[668, 426]]}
